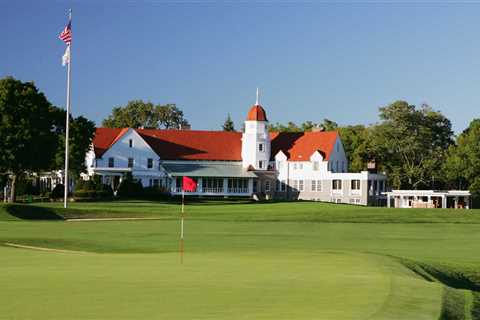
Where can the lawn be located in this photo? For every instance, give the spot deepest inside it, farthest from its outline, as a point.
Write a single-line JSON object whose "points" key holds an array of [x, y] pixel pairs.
{"points": [[298, 260]]}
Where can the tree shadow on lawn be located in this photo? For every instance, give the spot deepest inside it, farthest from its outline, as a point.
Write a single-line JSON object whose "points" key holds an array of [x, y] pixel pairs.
{"points": [[27, 212]]}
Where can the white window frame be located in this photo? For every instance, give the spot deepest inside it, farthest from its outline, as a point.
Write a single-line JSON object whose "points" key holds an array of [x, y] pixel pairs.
{"points": [[338, 190], [261, 147], [301, 185], [356, 191], [314, 185], [316, 165], [267, 186]]}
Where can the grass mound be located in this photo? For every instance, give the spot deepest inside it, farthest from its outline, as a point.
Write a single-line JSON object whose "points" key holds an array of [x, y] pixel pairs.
{"points": [[27, 212]]}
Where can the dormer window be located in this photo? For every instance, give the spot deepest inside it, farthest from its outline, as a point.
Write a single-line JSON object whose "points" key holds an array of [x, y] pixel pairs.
{"points": [[130, 143], [260, 147], [316, 165]]}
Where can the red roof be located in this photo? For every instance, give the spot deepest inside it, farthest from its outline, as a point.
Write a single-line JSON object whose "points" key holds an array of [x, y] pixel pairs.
{"points": [[105, 138], [218, 145], [257, 113], [299, 146], [194, 144]]}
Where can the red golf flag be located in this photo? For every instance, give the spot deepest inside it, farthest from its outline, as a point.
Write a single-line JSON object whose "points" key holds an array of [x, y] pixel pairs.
{"points": [[189, 184]]}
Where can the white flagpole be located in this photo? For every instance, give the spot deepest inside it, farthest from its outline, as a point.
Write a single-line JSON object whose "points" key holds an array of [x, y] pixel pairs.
{"points": [[67, 126], [181, 226]]}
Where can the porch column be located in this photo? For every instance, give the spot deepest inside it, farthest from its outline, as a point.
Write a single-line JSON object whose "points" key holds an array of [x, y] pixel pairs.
{"points": [[199, 185], [174, 185], [444, 202], [388, 201], [225, 185], [429, 198], [467, 202], [456, 202]]}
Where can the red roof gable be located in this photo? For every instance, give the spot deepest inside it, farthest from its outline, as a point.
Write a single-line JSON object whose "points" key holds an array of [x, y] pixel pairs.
{"points": [[105, 137], [218, 145], [299, 146]]}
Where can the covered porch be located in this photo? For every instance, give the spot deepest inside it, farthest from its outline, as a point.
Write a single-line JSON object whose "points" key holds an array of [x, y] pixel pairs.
{"points": [[457, 199], [222, 179]]}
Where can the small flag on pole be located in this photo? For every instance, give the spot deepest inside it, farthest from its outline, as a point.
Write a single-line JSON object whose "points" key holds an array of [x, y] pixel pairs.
{"points": [[189, 184], [66, 36], [66, 56]]}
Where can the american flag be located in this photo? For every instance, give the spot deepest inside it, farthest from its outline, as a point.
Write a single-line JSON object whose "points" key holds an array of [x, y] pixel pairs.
{"points": [[66, 35]]}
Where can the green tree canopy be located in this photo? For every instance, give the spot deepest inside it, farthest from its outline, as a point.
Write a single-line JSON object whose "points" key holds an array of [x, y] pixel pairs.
{"points": [[81, 135], [27, 127], [462, 167], [410, 144], [228, 125], [140, 114]]}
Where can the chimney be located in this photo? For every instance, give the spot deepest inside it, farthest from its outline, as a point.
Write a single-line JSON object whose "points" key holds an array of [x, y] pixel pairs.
{"points": [[372, 166]]}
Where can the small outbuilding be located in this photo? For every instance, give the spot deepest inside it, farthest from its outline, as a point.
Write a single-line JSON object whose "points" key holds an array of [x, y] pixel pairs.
{"points": [[458, 199]]}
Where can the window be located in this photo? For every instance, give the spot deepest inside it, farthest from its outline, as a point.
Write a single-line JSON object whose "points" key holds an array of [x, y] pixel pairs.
{"points": [[337, 184], [130, 162], [212, 185], [300, 166], [355, 185], [294, 166], [254, 186], [267, 186], [237, 185], [260, 164], [150, 163], [295, 184], [300, 185], [260, 147], [111, 162], [130, 143], [337, 168], [316, 165], [281, 185], [279, 165], [316, 185]]}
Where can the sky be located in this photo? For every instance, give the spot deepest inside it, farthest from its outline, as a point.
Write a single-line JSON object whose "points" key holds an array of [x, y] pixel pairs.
{"points": [[310, 60]]}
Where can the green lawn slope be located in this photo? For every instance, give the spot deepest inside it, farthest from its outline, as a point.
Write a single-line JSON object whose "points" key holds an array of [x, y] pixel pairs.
{"points": [[289, 260]]}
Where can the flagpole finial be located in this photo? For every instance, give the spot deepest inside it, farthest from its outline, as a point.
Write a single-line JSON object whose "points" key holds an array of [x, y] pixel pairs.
{"points": [[256, 102]]}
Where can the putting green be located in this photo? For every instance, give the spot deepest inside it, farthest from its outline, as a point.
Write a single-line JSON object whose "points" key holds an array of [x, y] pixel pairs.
{"points": [[218, 285]]}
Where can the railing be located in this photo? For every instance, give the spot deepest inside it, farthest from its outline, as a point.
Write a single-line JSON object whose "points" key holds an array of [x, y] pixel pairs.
{"points": [[212, 190], [237, 190]]}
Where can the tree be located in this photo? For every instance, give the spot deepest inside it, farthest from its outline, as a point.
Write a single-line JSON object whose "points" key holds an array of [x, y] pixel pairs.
{"points": [[462, 166], [140, 114], [410, 144], [27, 128], [81, 136], [228, 125]]}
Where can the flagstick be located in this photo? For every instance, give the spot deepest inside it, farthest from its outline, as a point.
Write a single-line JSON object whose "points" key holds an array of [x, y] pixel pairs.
{"points": [[181, 227], [67, 126]]}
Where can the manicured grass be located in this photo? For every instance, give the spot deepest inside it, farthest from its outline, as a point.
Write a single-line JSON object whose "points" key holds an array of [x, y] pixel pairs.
{"points": [[242, 261]]}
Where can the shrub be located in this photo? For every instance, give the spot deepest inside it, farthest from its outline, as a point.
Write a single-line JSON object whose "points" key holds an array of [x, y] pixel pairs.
{"points": [[57, 192], [91, 190], [130, 188]]}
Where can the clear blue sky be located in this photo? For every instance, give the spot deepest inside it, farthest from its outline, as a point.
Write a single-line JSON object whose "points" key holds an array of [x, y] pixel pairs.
{"points": [[311, 61]]}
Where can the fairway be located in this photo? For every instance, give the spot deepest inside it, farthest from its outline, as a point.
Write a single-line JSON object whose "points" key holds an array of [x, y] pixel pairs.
{"points": [[237, 268]]}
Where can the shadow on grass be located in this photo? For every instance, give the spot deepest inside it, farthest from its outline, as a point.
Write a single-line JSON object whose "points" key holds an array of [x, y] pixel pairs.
{"points": [[27, 212]]}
